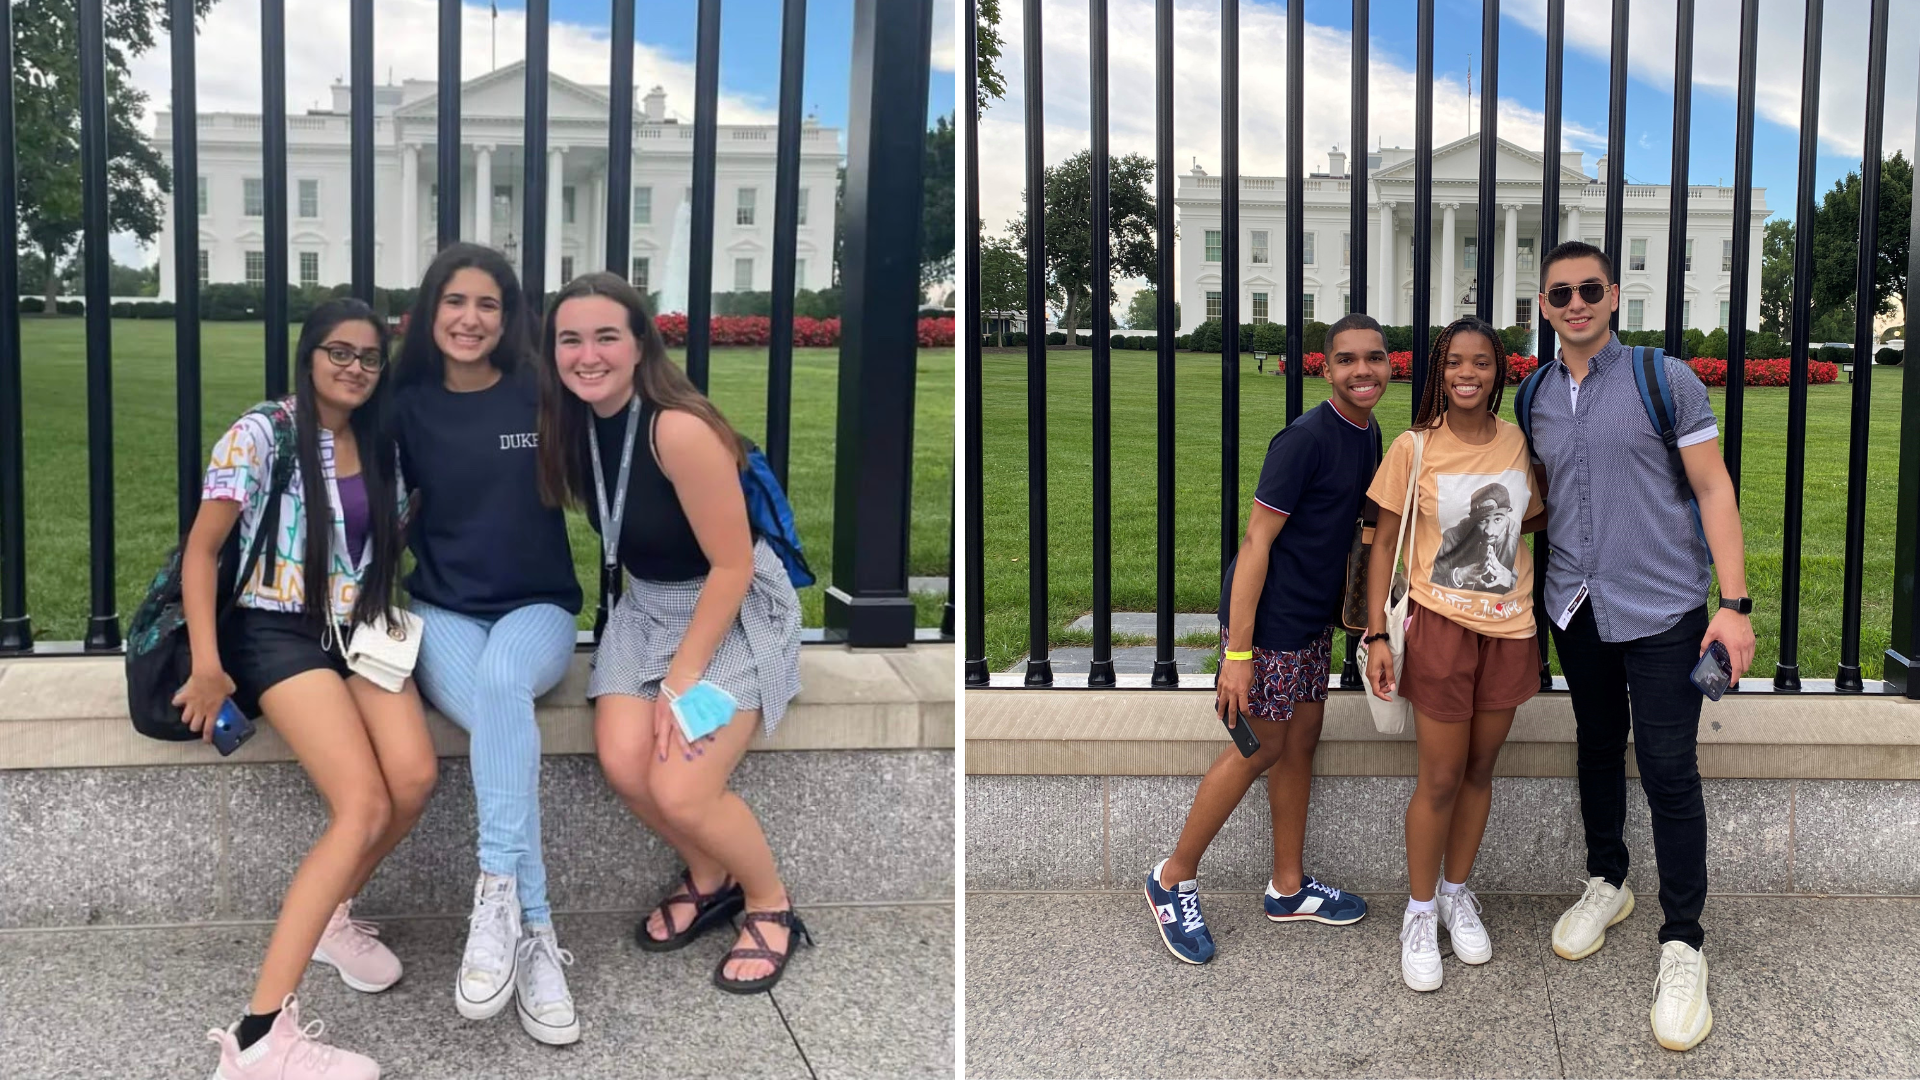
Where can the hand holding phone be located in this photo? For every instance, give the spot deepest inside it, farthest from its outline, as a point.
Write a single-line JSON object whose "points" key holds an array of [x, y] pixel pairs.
{"points": [[1714, 671], [231, 728]]}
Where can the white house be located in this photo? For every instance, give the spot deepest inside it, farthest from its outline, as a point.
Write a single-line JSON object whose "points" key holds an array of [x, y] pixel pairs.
{"points": [[232, 232], [1507, 264]]}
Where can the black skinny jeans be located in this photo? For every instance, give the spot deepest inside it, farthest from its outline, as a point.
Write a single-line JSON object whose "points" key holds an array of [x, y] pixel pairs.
{"points": [[1646, 682]]}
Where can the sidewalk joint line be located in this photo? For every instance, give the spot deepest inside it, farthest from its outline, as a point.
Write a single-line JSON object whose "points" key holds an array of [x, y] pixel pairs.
{"points": [[791, 1034], [1553, 1014]]}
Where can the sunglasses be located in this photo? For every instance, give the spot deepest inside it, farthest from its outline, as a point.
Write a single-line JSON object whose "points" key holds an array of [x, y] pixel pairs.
{"points": [[343, 354], [1561, 295]]}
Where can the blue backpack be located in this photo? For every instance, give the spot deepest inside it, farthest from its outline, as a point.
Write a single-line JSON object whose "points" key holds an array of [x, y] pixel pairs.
{"points": [[771, 516], [1656, 395]]}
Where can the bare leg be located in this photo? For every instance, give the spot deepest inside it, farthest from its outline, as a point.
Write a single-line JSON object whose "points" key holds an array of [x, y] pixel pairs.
{"points": [[1221, 790], [396, 724], [623, 734], [1289, 786], [1475, 799], [1443, 758]]}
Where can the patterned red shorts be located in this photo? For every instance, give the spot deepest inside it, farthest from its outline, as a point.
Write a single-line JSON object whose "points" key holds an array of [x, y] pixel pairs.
{"points": [[1282, 678]]}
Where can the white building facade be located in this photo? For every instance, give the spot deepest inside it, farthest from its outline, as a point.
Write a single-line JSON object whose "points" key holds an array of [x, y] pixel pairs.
{"points": [[1506, 263], [492, 157]]}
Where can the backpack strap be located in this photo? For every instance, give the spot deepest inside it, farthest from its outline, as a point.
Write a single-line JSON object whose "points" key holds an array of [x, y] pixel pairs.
{"points": [[1523, 401], [1656, 394]]}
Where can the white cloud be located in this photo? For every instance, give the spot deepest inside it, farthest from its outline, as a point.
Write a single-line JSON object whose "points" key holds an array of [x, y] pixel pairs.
{"points": [[945, 25]]}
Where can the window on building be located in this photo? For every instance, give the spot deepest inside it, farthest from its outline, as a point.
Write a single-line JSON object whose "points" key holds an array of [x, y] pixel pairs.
{"points": [[256, 268], [566, 204], [1636, 314], [1726, 256], [1346, 249], [201, 197], [1260, 246], [309, 198], [1259, 307], [638, 276], [1686, 262], [433, 202], [1525, 257], [204, 275], [1346, 303], [799, 274], [253, 197], [566, 269], [743, 275], [1726, 314], [309, 269], [502, 212], [1213, 305], [1306, 250], [1594, 241], [1686, 307], [743, 209], [1636, 254], [1306, 306], [643, 206], [801, 219], [1213, 245], [1470, 259], [1523, 312]]}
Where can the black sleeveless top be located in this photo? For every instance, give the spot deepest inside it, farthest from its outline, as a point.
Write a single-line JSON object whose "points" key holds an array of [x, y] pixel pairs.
{"points": [[656, 540]]}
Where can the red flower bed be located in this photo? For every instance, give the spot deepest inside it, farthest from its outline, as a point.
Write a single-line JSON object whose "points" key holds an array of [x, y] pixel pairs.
{"points": [[757, 330], [1315, 364], [1776, 372]]}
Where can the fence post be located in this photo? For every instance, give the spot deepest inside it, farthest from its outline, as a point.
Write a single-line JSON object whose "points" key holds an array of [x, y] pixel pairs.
{"points": [[868, 604], [16, 630], [186, 270], [103, 624]]}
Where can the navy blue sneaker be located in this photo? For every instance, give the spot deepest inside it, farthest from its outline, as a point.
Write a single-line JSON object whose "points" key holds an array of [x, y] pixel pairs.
{"points": [[1315, 902], [1177, 911]]}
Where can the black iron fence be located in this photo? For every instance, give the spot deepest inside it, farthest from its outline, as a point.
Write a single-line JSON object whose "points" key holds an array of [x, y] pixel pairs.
{"points": [[1902, 660], [867, 602]]}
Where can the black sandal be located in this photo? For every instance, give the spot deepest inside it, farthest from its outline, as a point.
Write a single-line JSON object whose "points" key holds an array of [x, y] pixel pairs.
{"points": [[709, 910], [796, 931]]}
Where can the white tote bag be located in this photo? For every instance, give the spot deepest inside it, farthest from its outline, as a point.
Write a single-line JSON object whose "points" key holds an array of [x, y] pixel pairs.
{"points": [[1390, 717]]}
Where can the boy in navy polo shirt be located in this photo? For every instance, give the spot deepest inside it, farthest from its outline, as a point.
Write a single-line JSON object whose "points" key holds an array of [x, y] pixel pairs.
{"points": [[1279, 599]]}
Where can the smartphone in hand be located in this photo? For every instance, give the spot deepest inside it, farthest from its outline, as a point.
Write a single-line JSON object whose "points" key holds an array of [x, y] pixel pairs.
{"points": [[1714, 671], [230, 728], [1243, 736]]}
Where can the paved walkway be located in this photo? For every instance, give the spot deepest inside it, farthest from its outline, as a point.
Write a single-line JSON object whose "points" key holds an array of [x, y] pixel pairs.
{"points": [[1080, 985], [875, 999]]}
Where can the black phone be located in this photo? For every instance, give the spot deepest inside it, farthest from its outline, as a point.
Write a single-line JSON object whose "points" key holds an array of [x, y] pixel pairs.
{"points": [[230, 728], [1243, 736], [1714, 671]]}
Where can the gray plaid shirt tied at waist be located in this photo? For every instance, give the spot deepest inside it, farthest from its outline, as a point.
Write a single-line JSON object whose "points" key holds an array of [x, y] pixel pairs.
{"points": [[1617, 516]]}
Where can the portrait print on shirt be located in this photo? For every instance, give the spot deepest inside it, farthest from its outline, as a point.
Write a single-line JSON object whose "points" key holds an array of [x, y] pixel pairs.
{"points": [[1479, 516]]}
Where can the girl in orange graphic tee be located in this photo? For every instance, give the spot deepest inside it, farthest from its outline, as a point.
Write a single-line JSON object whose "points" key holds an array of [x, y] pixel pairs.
{"points": [[1471, 652]]}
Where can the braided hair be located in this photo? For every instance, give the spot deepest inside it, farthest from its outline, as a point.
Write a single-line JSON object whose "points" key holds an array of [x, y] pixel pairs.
{"points": [[1433, 399]]}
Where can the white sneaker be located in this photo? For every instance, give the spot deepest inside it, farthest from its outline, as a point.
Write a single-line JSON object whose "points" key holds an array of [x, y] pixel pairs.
{"points": [[1583, 929], [485, 982], [1420, 951], [1460, 914], [1681, 1015], [540, 989]]}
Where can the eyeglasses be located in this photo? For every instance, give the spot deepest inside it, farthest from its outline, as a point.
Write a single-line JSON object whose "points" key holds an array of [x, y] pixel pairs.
{"points": [[1561, 295], [343, 354]]}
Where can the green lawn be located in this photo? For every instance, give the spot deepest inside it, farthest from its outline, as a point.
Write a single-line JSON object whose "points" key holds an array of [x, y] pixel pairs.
{"points": [[1263, 411], [232, 378]]}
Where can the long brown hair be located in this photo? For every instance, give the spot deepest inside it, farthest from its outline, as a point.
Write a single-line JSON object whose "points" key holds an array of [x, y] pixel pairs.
{"points": [[566, 422], [1433, 400]]}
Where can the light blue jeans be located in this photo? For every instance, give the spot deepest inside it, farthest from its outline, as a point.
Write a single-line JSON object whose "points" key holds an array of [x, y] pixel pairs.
{"points": [[484, 674]]}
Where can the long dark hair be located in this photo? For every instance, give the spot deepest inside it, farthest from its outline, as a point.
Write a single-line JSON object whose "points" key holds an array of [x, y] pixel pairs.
{"points": [[1433, 401], [566, 422], [420, 357], [374, 437]]}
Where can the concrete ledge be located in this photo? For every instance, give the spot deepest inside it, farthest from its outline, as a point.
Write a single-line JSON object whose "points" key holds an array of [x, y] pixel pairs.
{"points": [[72, 712], [1175, 733]]}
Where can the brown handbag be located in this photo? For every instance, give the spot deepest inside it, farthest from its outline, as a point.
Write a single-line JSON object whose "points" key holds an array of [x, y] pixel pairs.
{"points": [[1353, 605]]}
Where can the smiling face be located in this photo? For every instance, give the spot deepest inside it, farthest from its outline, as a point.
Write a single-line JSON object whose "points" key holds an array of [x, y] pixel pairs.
{"points": [[1470, 371], [595, 351], [1358, 370], [467, 323], [346, 386], [1582, 323]]}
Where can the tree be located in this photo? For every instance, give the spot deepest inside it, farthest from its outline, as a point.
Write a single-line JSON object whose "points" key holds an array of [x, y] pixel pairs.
{"points": [[1836, 236], [1776, 277], [1003, 278], [1067, 201], [986, 36], [936, 214], [47, 125], [1143, 311]]}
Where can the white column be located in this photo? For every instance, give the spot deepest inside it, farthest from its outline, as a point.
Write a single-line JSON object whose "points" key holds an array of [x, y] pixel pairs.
{"points": [[597, 215], [1510, 267], [1573, 224], [483, 195], [409, 214], [556, 162], [1389, 278], [1448, 300]]}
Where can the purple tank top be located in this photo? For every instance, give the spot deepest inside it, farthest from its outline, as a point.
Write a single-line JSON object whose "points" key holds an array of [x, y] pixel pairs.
{"points": [[353, 506]]}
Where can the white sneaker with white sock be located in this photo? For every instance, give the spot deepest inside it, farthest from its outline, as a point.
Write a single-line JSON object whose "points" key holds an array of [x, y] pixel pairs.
{"points": [[1460, 914], [1681, 1016], [485, 983], [540, 989], [1583, 929], [1420, 950]]}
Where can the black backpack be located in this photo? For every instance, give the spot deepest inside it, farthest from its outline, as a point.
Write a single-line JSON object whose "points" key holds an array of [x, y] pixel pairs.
{"points": [[159, 656]]}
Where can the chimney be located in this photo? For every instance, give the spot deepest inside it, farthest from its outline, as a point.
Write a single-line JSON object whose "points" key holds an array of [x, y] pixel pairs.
{"points": [[1337, 163], [1600, 167], [656, 104]]}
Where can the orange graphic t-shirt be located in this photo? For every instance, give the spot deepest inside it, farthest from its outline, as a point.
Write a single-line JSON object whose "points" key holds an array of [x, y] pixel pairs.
{"points": [[1465, 558]]}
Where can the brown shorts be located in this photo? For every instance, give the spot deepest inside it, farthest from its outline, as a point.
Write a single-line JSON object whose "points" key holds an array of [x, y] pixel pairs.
{"points": [[1453, 672]]}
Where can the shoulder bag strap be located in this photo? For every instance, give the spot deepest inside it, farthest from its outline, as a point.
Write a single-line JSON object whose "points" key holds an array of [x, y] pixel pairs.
{"points": [[269, 526], [1412, 503]]}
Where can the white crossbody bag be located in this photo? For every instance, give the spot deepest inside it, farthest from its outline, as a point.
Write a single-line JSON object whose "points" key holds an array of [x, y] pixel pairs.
{"points": [[385, 654], [1390, 717]]}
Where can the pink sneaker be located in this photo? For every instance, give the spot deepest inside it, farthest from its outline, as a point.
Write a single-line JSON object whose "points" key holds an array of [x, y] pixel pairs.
{"points": [[289, 1052], [351, 946]]}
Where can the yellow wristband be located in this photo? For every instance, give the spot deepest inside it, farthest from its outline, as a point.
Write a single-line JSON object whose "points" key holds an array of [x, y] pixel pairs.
{"points": [[1247, 655]]}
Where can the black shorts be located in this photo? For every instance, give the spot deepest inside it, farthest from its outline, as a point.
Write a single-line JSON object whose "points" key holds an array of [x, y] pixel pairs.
{"points": [[261, 649]]}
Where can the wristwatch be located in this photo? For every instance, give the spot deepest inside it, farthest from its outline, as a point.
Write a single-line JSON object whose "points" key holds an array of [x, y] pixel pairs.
{"points": [[1741, 604]]}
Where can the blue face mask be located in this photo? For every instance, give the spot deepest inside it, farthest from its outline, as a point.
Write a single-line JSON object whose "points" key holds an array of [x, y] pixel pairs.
{"points": [[702, 710]]}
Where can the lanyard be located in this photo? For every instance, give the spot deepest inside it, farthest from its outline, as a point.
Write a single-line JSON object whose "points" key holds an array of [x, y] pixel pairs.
{"points": [[610, 518]]}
